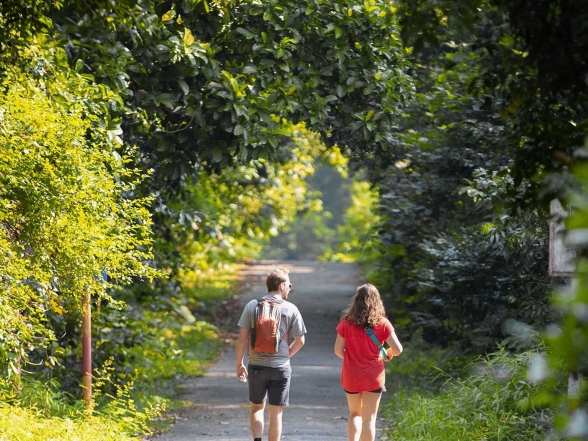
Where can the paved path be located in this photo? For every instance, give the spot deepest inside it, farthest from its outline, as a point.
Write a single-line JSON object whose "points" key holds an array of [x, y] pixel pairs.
{"points": [[318, 408]]}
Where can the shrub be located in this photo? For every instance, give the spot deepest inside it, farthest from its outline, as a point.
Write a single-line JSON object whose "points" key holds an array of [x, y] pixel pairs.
{"points": [[67, 211], [492, 403]]}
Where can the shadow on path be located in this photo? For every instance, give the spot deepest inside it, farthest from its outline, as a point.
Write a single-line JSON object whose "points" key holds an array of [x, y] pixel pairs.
{"points": [[318, 408]]}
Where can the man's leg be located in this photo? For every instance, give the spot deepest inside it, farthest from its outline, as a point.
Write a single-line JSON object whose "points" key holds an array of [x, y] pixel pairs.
{"points": [[258, 380], [354, 421], [278, 397], [369, 410], [275, 423], [256, 419]]}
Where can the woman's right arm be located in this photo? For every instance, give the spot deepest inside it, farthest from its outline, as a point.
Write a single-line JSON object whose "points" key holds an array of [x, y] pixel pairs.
{"points": [[339, 346]]}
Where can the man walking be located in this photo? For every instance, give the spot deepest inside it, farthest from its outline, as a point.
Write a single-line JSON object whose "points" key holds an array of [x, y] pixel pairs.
{"points": [[269, 369]]}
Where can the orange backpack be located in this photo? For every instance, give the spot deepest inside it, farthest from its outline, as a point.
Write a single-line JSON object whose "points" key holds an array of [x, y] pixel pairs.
{"points": [[265, 326]]}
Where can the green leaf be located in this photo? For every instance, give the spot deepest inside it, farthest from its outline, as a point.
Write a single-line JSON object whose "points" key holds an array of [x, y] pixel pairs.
{"points": [[167, 99], [169, 15], [351, 81], [189, 5], [184, 86], [188, 37], [283, 132], [217, 154], [247, 33], [250, 70], [272, 141]]}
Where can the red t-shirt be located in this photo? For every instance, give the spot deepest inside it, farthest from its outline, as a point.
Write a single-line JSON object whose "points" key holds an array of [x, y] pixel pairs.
{"points": [[363, 371]]}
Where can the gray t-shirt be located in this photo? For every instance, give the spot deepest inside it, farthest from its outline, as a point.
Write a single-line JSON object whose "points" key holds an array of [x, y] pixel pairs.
{"points": [[291, 323]]}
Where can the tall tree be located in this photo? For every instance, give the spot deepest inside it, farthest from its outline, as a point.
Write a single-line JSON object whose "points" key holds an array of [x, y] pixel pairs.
{"points": [[533, 67]]}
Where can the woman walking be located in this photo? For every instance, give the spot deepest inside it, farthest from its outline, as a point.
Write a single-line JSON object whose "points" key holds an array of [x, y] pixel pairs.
{"points": [[363, 374]]}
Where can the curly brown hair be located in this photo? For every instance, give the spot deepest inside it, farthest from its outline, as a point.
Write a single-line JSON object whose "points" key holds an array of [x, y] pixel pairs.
{"points": [[366, 308]]}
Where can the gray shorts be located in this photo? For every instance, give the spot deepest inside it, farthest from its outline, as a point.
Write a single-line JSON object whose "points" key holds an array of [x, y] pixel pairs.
{"points": [[273, 383]]}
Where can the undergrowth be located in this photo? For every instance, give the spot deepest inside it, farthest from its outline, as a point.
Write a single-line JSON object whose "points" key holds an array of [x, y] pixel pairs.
{"points": [[489, 400], [129, 401]]}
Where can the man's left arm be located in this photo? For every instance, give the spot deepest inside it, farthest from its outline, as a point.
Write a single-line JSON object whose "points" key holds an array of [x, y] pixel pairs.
{"points": [[296, 345], [297, 331]]}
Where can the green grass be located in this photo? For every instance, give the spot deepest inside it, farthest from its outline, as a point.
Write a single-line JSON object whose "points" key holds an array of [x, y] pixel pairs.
{"points": [[22, 424], [40, 411], [491, 401], [184, 345]]}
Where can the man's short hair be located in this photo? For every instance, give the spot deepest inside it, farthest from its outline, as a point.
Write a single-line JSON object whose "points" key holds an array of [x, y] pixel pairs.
{"points": [[276, 278]]}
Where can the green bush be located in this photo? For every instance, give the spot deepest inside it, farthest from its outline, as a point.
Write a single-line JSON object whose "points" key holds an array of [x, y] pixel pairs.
{"points": [[492, 403], [41, 411], [67, 214], [422, 367]]}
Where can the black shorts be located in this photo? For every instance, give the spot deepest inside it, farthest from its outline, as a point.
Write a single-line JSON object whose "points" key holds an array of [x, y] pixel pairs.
{"points": [[376, 391], [271, 383]]}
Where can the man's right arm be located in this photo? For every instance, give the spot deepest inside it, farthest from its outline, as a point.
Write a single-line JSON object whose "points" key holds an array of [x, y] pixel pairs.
{"points": [[242, 342]]}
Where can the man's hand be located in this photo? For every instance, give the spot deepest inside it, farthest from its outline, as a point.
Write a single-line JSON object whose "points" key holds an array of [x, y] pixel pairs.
{"points": [[242, 373], [242, 342]]}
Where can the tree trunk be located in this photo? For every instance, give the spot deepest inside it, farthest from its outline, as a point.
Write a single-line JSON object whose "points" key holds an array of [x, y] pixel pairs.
{"points": [[87, 351]]}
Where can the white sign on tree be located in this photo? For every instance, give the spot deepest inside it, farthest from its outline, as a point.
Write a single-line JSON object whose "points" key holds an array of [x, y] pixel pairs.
{"points": [[562, 257]]}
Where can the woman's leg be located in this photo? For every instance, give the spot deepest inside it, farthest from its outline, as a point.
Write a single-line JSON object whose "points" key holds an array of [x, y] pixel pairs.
{"points": [[354, 421], [369, 410]]}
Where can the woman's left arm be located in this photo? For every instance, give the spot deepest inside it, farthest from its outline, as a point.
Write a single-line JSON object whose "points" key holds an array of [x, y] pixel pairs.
{"points": [[339, 346], [394, 343]]}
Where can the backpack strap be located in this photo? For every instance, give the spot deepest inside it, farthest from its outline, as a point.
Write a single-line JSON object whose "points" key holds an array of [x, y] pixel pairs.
{"points": [[270, 298], [379, 345]]}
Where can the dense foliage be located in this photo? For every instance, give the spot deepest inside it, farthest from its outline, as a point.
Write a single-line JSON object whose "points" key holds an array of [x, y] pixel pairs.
{"points": [[146, 146], [566, 357], [200, 80], [490, 399], [458, 256], [465, 182], [489, 141], [68, 220]]}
